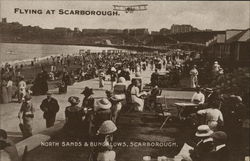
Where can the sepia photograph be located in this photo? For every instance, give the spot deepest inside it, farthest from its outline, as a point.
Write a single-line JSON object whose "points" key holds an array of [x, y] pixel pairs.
{"points": [[124, 80]]}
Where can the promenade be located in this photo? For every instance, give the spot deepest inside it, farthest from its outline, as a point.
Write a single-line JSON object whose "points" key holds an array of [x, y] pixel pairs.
{"points": [[8, 112], [133, 128]]}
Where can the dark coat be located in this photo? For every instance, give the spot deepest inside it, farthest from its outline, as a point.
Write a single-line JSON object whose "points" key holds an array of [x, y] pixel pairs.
{"points": [[74, 121], [101, 116], [50, 108]]}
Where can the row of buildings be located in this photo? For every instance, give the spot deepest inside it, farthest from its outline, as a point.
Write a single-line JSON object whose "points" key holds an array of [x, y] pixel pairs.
{"points": [[231, 45], [227, 45], [131, 32], [175, 29]]}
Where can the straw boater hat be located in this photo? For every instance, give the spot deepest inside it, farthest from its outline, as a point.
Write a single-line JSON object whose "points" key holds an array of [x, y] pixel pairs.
{"points": [[203, 131], [74, 100], [118, 97], [107, 127], [87, 91], [103, 103]]}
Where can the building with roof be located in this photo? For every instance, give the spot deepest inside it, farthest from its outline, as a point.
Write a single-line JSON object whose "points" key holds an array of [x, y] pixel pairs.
{"points": [[136, 32], [233, 45], [182, 28]]}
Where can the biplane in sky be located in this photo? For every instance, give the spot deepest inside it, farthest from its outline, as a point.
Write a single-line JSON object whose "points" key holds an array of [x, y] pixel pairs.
{"points": [[130, 8]]}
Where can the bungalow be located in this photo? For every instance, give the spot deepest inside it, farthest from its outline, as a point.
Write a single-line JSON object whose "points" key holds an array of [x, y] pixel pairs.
{"points": [[233, 45]]}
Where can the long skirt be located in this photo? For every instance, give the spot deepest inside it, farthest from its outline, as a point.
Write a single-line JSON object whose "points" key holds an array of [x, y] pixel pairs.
{"points": [[4, 95], [63, 89], [139, 103], [194, 81], [101, 82], [10, 93], [27, 127], [115, 111], [112, 85]]}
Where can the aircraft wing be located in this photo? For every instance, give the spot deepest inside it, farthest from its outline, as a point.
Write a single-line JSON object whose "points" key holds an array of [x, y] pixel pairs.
{"points": [[130, 7], [119, 8], [139, 7]]}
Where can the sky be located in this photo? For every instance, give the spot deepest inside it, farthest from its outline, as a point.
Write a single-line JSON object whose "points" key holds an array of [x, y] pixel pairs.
{"points": [[216, 15]]}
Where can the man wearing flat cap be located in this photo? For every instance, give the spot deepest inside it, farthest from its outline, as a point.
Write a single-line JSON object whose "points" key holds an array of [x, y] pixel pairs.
{"points": [[50, 107]]}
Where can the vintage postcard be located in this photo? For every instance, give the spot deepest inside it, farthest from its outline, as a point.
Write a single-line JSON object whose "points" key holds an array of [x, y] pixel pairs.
{"points": [[124, 80]]}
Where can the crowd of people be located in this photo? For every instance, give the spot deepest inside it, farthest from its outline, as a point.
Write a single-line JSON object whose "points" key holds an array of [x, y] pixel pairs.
{"points": [[216, 113], [216, 116]]}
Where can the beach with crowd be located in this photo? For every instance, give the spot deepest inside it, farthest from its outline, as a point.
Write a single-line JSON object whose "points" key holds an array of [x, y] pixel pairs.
{"points": [[97, 96]]}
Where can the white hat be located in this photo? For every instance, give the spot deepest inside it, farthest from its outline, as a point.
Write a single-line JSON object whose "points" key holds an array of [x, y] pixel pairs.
{"points": [[103, 104], [121, 80], [203, 131], [113, 69], [107, 127], [118, 97]]}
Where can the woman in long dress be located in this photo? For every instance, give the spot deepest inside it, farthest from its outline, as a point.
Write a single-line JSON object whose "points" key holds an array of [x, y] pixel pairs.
{"points": [[27, 112], [74, 115], [194, 77], [21, 89], [4, 93], [101, 79], [136, 96], [9, 89]]}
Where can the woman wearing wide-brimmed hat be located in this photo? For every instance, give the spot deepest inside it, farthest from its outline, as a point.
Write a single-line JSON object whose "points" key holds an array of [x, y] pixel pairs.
{"points": [[21, 89], [121, 86], [102, 112], [194, 76], [105, 136], [88, 100], [136, 96], [27, 112], [88, 107], [4, 91], [113, 76], [74, 117], [101, 79]]}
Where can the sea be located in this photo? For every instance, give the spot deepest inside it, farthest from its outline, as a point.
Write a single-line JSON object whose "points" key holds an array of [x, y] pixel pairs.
{"points": [[19, 52]]}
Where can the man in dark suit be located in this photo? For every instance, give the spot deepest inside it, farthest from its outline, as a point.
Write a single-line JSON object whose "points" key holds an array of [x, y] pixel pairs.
{"points": [[50, 107]]}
